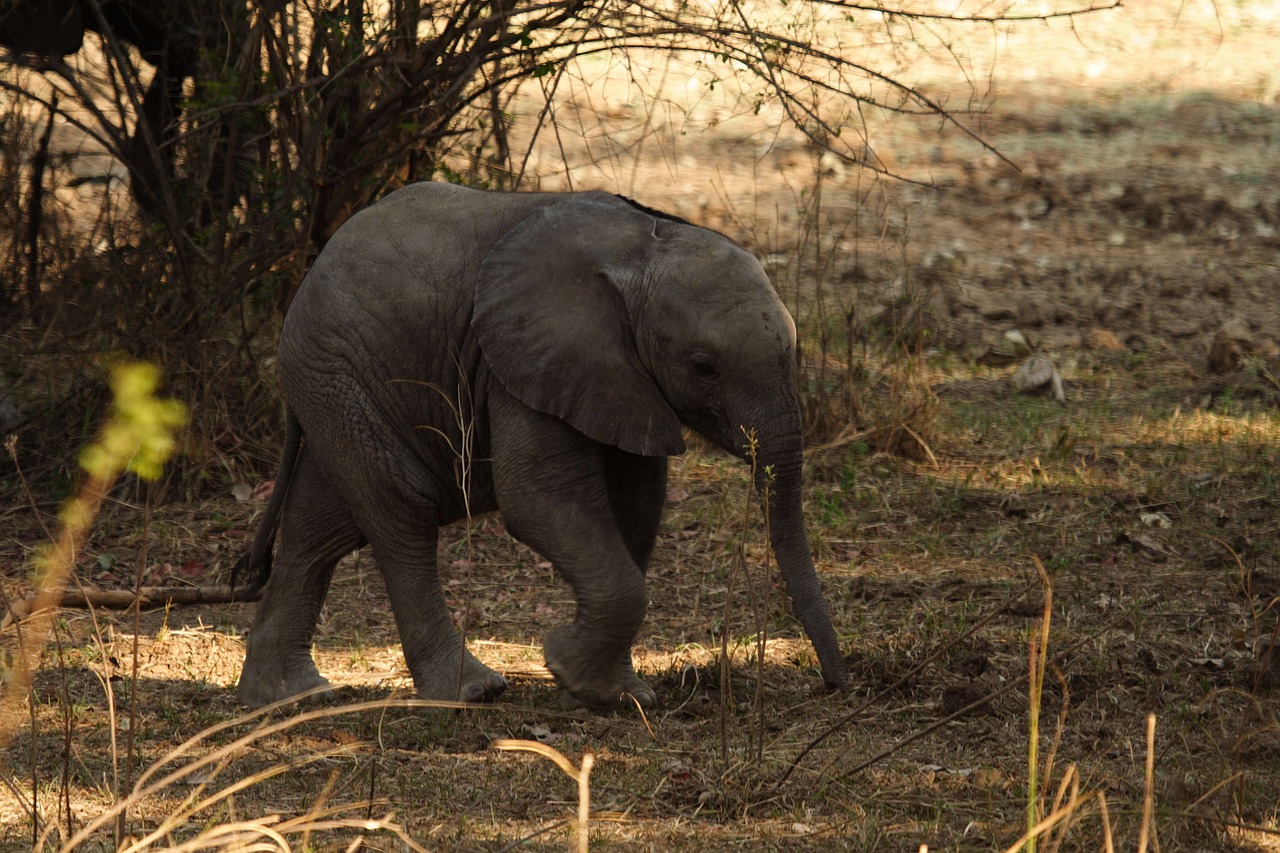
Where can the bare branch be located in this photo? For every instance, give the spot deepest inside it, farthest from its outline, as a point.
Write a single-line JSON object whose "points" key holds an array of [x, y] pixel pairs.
{"points": [[975, 19]]}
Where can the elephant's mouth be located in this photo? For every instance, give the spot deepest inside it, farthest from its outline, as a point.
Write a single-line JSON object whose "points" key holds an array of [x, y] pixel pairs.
{"points": [[720, 432]]}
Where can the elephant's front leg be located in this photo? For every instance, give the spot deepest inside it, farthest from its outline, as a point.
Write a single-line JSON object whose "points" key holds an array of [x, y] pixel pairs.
{"points": [[554, 495]]}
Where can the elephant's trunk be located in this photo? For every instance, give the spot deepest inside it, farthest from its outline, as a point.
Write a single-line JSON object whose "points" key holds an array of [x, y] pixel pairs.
{"points": [[778, 467]]}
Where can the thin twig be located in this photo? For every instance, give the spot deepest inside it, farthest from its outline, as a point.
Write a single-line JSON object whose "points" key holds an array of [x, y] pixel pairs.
{"points": [[1148, 787], [581, 775], [986, 19], [978, 703], [848, 718], [122, 822]]}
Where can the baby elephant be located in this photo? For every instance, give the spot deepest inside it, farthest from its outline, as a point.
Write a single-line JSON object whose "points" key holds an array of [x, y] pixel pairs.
{"points": [[455, 351]]}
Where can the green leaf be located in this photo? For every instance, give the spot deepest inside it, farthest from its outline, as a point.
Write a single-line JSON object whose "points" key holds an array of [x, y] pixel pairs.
{"points": [[140, 433]]}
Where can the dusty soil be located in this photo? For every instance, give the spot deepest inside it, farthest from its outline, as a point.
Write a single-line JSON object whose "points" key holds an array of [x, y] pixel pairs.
{"points": [[1140, 195], [1141, 218]]}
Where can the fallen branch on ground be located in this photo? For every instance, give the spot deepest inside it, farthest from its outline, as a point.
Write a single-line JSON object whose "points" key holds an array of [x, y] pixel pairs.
{"points": [[123, 599]]}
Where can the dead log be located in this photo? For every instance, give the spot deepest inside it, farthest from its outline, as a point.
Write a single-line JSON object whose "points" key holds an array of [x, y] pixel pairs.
{"points": [[123, 599]]}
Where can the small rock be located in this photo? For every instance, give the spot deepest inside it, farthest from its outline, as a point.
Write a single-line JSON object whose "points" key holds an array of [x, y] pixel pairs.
{"points": [[1031, 315], [995, 358], [1230, 346], [1103, 339], [1218, 287], [1038, 374], [911, 322], [996, 313], [1179, 327], [957, 697], [988, 777], [1063, 314], [1022, 345]]}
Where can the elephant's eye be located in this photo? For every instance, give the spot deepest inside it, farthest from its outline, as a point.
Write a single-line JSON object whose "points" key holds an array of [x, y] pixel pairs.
{"points": [[704, 367]]}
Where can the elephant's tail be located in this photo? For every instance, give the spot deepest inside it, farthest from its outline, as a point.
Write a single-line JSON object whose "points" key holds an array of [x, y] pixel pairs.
{"points": [[255, 566]]}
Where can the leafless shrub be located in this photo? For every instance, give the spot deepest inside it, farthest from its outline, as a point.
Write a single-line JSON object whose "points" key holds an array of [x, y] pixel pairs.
{"points": [[291, 117]]}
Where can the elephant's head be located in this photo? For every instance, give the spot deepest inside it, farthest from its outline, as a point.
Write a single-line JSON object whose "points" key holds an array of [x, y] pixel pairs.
{"points": [[626, 323]]}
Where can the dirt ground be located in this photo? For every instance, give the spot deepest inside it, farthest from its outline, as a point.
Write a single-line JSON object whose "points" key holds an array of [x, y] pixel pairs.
{"points": [[1134, 230], [1139, 197]]}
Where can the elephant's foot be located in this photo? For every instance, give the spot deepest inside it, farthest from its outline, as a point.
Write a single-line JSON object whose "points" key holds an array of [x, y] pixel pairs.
{"points": [[261, 685], [448, 679], [597, 683]]}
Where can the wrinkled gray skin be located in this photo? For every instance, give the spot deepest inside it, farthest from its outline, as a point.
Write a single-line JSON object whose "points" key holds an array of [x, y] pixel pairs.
{"points": [[574, 334]]}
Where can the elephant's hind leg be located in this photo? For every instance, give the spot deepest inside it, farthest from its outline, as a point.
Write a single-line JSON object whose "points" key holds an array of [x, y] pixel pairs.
{"points": [[439, 661], [316, 530]]}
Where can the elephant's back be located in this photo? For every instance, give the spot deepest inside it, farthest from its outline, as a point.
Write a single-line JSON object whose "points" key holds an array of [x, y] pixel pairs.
{"points": [[412, 257], [380, 327], [375, 340], [420, 238]]}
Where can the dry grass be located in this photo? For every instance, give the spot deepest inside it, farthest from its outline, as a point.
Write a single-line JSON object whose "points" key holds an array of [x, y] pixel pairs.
{"points": [[930, 569]]}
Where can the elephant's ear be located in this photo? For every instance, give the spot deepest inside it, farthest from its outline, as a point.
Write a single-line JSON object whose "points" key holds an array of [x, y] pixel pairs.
{"points": [[552, 319]]}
